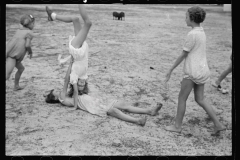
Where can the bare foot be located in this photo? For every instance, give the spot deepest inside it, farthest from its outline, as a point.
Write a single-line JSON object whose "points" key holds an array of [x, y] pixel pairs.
{"points": [[16, 88], [142, 121], [173, 128], [154, 111], [217, 130]]}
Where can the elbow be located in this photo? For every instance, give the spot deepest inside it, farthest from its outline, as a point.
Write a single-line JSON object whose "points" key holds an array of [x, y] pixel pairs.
{"points": [[27, 45], [89, 23], [184, 54]]}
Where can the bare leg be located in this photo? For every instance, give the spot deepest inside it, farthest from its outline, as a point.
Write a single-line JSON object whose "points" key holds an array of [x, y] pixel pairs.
{"points": [[199, 98], [18, 74], [129, 108], [10, 64], [186, 88], [224, 75], [120, 115], [68, 19], [82, 34]]}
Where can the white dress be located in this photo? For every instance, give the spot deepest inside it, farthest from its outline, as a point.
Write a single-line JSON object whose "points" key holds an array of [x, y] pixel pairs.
{"points": [[195, 64], [95, 106], [80, 64]]}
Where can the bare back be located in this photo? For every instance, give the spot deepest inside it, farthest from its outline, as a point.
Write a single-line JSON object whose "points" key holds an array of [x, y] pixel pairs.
{"points": [[16, 47]]}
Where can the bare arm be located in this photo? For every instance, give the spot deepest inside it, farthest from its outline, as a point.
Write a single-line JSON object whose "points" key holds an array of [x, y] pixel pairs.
{"points": [[177, 62], [29, 37], [75, 95], [63, 94], [67, 78]]}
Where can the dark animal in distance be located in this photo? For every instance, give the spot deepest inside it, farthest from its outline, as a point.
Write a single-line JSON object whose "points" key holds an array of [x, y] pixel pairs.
{"points": [[122, 15], [118, 15]]}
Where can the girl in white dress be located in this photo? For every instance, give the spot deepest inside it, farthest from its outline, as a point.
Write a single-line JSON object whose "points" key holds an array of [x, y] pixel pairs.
{"points": [[196, 71], [100, 107], [78, 47]]}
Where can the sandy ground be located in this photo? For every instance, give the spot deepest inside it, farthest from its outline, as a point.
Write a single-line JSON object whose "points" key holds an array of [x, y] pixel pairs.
{"points": [[121, 54]]}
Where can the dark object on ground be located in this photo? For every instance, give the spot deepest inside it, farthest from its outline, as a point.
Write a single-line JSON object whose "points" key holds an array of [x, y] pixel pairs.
{"points": [[118, 15], [122, 15], [115, 15]]}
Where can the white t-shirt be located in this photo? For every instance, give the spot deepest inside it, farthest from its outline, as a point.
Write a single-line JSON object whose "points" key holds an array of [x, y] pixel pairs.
{"points": [[195, 64]]}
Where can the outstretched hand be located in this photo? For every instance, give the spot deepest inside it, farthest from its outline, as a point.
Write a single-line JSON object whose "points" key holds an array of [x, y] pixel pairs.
{"points": [[167, 77], [30, 56]]}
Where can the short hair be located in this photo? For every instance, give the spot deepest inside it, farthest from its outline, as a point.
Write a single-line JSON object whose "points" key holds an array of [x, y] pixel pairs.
{"points": [[50, 98], [197, 14], [26, 20]]}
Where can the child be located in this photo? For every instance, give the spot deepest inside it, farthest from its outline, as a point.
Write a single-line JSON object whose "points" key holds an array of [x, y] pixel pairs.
{"points": [[17, 48], [224, 74], [78, 47], [196, 71], [99, 106]]}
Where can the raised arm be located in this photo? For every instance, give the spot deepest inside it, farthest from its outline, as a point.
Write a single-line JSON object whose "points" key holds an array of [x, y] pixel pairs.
{"points": [[75, 95], [67, 78]]}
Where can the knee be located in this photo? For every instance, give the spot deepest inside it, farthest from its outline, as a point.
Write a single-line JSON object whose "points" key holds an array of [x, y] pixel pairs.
{"points": [[112, 111], [21, 69], [230, 68], [182, 98], [7, 75], [122, 105], [199, 100], [88, 23], [75, 19]]}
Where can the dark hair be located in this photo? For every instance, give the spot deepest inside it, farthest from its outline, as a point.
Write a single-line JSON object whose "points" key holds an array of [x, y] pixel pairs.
{"points": [[84, 91], [50, 98], [197, 14]]}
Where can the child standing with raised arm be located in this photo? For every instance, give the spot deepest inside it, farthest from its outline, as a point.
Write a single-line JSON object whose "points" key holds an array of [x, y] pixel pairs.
{"points": [[78, 47], [17, 48], [196, 71]]}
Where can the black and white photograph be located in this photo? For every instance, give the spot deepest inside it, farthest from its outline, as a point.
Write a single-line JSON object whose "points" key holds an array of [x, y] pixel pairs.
{"points": [[118, 79]]}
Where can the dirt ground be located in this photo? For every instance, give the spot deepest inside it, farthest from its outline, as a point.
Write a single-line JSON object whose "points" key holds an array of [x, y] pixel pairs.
{"points": [[128, 60]]}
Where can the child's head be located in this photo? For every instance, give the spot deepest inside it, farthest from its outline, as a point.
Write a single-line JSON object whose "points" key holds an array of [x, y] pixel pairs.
{"points": [[27, 21], [82, 85], [196, 14], [51, 98]]}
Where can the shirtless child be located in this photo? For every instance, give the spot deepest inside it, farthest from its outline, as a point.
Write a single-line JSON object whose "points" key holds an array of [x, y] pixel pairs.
{"points": [[17, 48]]}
